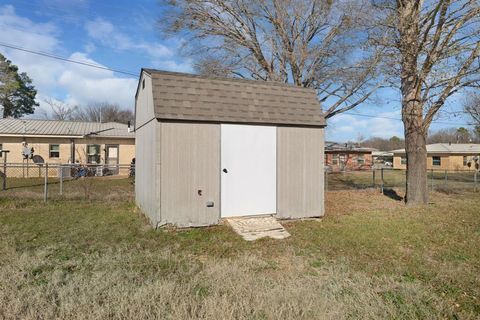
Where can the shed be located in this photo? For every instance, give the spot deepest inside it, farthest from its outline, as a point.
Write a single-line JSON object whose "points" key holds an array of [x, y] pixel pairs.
{"points": [[210, 148]]}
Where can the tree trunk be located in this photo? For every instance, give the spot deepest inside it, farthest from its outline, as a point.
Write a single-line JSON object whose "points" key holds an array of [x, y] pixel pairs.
{"points": [[412, 104], [416, 150]]}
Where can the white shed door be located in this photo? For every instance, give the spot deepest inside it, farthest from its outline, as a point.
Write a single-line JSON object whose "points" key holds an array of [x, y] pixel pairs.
{"points": [[249, 170]]}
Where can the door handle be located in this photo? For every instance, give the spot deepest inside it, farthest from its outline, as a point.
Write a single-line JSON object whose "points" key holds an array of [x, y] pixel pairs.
{"points": [[225, 170]]}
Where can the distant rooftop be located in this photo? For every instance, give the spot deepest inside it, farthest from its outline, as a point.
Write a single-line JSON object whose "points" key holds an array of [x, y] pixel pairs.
{"points": [[78, 129], [353, 147], [449, 148]]}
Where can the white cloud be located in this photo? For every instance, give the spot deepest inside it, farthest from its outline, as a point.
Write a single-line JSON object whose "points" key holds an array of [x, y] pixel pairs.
{"points": [[161, 56], [106, 33], [85, 85], [54, 78], [171, 65], [35, 36]]}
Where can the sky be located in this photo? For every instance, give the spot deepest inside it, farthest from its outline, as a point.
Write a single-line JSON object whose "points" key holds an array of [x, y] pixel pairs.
{"points": [[123, 35]]}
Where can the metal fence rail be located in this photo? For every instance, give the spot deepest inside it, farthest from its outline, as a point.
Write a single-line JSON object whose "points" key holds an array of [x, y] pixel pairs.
{"points": [[387, 178], [48, 180], [46, 177]]}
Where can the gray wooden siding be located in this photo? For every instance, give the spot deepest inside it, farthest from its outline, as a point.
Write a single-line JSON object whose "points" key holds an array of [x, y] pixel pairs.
{"points": [[147, 156], [190, 157], [300, 175], [144, 102]]}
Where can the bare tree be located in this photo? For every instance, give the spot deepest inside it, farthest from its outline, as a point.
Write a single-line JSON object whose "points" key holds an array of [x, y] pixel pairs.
{"points": [[472, 108], [434, 48], [310, 43], [104, 112], [94, 112], [59, 110], [451, 135], [384, 144]]}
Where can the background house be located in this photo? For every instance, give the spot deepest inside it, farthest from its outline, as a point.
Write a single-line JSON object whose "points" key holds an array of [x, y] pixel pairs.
{"points": [[446, 156], [382, 158], [347, 156], [62, 142], [209, 148]]}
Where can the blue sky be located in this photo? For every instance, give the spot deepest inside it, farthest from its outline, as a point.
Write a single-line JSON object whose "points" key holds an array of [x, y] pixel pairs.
{"points": [[123, 35]]}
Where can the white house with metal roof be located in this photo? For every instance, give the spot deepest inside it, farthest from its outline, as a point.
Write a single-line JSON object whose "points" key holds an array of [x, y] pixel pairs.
{"points": [[62, 142], [445, 156]]}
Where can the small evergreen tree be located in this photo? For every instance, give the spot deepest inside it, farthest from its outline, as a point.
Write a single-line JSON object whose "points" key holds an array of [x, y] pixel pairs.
{"points": [[17, 94]]}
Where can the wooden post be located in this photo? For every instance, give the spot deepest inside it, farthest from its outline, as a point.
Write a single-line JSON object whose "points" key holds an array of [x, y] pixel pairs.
{"points": [[445, 178], [373, 178], [45, 189]]}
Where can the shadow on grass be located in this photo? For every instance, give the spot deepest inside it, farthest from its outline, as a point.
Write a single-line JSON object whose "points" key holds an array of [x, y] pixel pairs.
{"points": [[39, 184], [392, 194]]}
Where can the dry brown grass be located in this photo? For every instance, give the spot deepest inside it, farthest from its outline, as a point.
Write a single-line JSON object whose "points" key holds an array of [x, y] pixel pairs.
{"points": [[369, 258], [246, 287], [355, 201]]}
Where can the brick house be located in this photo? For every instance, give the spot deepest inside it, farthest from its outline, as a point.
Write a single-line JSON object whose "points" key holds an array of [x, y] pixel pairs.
{"points": [[347, 156]]}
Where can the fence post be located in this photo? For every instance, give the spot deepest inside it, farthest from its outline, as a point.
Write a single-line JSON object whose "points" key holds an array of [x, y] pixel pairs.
{"points": [[475, 181], [61, 180], [431, 178], [373, 177], [45, 189], [383, 182], [445, 178], [326, 180], [4, 184]]}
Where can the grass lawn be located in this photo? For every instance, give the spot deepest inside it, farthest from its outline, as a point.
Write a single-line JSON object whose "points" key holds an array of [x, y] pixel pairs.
{"points": [[392, 178], [369, 258]]}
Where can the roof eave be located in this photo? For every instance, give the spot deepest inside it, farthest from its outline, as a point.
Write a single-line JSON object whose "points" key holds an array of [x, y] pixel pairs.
{"points": [[18, 135], [259, 123]]}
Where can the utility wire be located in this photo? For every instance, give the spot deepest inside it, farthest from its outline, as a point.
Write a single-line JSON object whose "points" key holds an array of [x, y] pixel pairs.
{"points": [[397, 119], [48, 55], [52, 56]]}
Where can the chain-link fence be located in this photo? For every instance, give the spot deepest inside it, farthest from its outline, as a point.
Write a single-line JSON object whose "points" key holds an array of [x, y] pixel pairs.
{"points": [[386, 178], [81, 181], [66, 181]]}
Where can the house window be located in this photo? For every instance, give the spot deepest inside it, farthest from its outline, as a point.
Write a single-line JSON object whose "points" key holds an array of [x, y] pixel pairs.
{"points": [[143, 84], [93, 153], [436, 161], [1, 148], [342, 158], [403, 160], [361, 159], [465, 161], [335, 159], [54, 151]]}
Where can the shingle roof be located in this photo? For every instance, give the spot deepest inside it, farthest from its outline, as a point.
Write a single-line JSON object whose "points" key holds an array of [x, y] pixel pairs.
{"points": [[346, 147], [32, 127], [449, 148], [189, 97]]}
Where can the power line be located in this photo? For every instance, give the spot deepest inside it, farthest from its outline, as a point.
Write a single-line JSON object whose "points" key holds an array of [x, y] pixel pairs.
{"points": [[52, 56], [397, 119], [48, 55]]}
